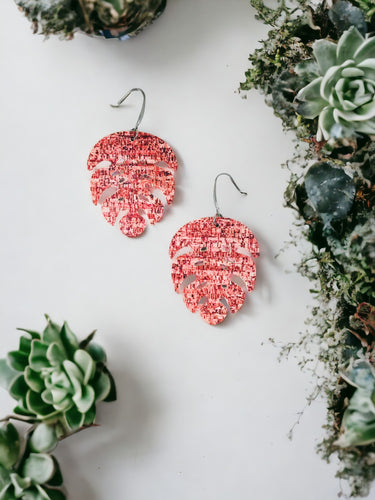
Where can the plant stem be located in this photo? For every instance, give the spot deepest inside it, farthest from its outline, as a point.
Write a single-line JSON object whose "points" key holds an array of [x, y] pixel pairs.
{"points": [[19, 418], [86, 16], [83, 428]]}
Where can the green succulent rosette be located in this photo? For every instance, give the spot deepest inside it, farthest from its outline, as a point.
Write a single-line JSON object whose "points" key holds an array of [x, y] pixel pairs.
{"points": [[341, 93], [109, 18], [27, 470], [57, 380], [358, 423]]}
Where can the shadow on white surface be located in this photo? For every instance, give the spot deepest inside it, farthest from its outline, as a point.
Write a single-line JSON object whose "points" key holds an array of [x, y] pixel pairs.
{"points": [[126, 429]]}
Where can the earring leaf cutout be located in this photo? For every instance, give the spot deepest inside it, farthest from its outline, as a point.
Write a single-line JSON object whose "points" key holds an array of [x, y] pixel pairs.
{"points": [[214, 259], [139, 163], [221, 251]]}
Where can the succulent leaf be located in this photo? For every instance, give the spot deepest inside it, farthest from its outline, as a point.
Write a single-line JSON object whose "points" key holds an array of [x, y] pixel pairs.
{"points": [[7, 374], [4, 477], [18, 387], [39, 467], [43, 439], [330, 191], [38, 356], [20, 484], [97, 352], [60, 380], [17, 360], [343, 95], [325, 54], [358, 423], [9, 445], [102, 386]]}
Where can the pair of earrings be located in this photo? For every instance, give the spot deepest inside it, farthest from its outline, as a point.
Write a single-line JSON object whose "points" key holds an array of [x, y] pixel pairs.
{"points": [[214, 274]]}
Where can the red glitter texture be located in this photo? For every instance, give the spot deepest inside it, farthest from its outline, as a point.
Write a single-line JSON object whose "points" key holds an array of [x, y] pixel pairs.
{"points": [[219, 251], [138, 165]]}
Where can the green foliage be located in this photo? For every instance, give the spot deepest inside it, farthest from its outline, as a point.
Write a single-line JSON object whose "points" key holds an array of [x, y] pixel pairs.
{"points": [[28, 472], [9, 446], [330, 190], [343, 93], [115, 17], [344, 15], [358, 422], [57, 380], [319, 55], [368, 7]]}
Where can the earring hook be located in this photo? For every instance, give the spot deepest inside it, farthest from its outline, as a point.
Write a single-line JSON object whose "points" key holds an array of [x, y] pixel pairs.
{"points": [[218, 212], [142, 112]]}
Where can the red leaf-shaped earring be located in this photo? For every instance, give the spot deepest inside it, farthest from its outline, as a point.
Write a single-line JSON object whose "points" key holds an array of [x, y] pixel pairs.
{"points": [[138, 164], [222, 250]]}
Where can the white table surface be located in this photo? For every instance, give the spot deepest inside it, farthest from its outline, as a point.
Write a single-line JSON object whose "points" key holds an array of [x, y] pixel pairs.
{"points": [[203, 412]]}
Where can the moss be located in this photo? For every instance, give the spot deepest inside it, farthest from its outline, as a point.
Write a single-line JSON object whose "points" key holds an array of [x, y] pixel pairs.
{"points": [[339, 262]]}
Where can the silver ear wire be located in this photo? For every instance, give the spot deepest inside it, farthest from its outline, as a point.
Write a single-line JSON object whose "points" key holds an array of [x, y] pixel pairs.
{"points": [[218, 213], [142, 112]]}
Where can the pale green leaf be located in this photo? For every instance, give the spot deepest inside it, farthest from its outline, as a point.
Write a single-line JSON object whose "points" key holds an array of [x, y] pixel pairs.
{"points": [[43, 439], [39, 467], [325, 54]]}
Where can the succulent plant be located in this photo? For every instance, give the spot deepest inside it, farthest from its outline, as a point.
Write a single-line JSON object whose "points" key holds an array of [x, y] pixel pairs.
{"points": [[56, 379], [27, 470], [358, 423], [110, 18], [342, 90], [355, 254], [368, 7]]}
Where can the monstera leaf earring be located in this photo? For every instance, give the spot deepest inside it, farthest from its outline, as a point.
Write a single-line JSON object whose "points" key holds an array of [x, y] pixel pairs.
{"points": [[217, 265], [136, 164]]}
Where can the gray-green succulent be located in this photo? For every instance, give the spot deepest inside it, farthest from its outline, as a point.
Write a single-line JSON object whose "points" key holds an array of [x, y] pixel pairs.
{"points": [[57, 380], [358, 423], [342, 91], [111, 18], [27, 470]]}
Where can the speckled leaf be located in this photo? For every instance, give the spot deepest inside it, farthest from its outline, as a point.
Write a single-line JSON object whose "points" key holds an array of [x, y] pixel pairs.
{"points": [[137, 167], [330, 190], [220, 250], [344, 15]]}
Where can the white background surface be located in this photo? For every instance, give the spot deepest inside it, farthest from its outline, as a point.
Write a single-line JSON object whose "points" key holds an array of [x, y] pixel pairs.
{"points": [[203, 412]]}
